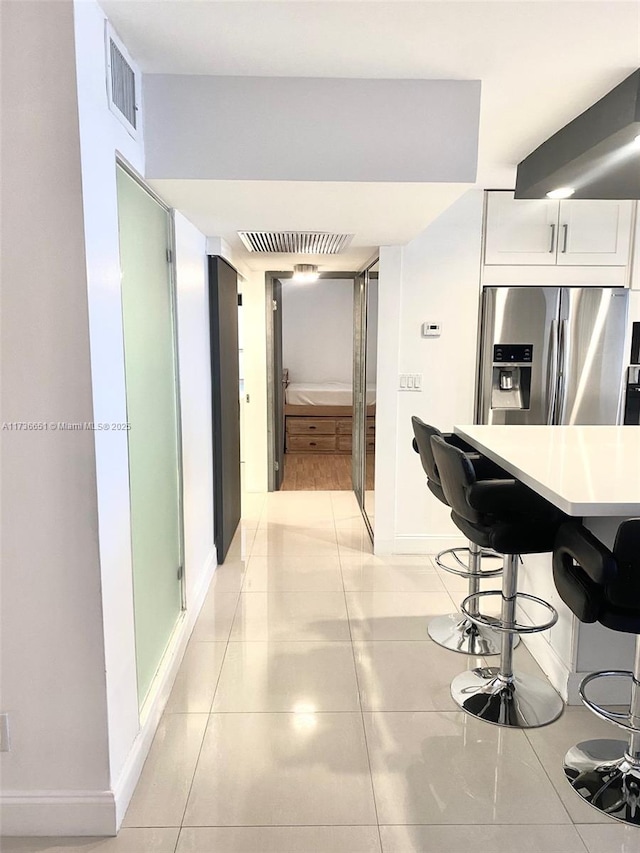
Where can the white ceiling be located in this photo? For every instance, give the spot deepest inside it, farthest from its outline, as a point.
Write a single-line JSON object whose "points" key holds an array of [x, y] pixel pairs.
{"points": [[378, 214], [541, 63]]}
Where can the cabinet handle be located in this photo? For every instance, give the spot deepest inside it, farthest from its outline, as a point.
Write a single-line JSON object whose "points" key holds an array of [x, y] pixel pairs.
{"points": [[565, 234], [552, 247], [311, 427], [312, 444]]}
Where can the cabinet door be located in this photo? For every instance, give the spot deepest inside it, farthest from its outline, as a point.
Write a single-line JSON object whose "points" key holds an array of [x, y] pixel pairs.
{"points": [[520, 231], [594, 233]]}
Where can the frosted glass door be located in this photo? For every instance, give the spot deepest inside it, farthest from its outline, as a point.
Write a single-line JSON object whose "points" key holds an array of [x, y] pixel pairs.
{"points": [[152, 411]]}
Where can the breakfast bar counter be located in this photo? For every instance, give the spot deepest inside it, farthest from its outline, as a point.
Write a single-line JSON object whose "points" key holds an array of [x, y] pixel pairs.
{"points": [[587, 471], [591, 473]]}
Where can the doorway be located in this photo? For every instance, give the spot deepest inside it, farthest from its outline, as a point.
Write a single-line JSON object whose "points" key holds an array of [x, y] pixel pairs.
{"points": [[310, 381]]}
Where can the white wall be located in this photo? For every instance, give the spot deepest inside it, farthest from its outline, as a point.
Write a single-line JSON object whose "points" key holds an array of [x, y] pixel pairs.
{"points": [[69, 679], [53, 659], [102, 138], [317, 330], [255, 382], [195, 402], [311, 129], [101, 135], [436, 278]]}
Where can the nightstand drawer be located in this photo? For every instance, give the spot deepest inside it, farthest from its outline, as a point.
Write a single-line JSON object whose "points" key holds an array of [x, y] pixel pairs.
{"points": [[311, 426], [319, 443]]}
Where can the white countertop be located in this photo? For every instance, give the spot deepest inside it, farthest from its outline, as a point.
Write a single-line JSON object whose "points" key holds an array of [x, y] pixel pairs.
{"points": [[584, 470]]}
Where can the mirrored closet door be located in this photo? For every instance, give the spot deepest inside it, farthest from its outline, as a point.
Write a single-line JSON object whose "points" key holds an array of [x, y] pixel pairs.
{"points": [[370, 371], [364, 388]]}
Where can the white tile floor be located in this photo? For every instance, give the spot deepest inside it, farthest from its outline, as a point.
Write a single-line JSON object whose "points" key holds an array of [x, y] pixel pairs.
{"points": [[312, 714]]}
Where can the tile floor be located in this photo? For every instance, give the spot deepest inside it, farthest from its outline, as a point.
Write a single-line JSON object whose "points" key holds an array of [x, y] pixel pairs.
{"points": [[312, 714]]}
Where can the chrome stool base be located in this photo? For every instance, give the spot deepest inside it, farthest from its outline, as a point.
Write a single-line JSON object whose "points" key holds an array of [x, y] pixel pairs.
{"points": [[521, 702], [458, 634], [601, 773]]}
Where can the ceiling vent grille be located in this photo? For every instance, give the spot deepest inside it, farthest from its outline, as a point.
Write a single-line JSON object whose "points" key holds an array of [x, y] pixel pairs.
{"points": [[122, 83], [295, 242]]}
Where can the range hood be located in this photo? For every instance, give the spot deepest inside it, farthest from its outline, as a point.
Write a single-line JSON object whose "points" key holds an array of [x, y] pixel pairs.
{"points": [[597, 154]]}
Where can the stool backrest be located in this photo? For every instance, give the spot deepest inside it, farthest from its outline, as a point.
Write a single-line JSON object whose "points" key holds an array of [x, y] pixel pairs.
{"points": [[597, 584], [626, 550], [456, 476], [423, 433]]}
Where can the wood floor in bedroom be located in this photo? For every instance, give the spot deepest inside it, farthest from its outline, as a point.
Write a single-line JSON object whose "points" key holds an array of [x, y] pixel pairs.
{"points": [[317, 472]]}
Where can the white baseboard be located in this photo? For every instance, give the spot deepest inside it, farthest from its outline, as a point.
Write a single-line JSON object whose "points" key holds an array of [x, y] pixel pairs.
{"points": [[158, 696], [547, 659], [74, 813], [610, 691], [57, 813], [607, 691], [417, 544]]}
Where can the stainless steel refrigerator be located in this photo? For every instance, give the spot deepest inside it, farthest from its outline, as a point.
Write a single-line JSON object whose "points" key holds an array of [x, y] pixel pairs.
{"points": [[551, 355]]}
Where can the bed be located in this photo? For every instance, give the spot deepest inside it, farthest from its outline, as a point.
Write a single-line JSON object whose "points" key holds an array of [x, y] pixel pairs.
{"points": [[323, 394], [318, 416]]}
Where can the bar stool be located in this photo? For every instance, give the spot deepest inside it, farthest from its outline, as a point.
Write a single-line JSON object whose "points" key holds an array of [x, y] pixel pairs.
{"points": [[599, 585], [510, 518], [455, 631]]}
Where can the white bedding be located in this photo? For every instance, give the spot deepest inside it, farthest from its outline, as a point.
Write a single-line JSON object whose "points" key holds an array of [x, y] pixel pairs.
{"points": [[323, 394]]}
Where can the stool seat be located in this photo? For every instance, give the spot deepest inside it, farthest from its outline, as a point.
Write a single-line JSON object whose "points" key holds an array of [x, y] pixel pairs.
{"points": [[510, 537], [602, 585], [505, 515]]}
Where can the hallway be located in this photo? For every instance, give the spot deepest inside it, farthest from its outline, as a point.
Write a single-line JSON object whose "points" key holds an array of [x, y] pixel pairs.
{"points": [[312, 714]]}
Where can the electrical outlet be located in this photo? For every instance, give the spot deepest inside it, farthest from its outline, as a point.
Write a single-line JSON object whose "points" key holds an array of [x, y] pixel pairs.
{"points": [[5, 745]]}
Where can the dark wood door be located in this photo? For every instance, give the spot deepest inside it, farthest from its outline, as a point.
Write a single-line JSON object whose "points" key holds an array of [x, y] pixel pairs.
{"points": [[278, 382], [225, 387]]}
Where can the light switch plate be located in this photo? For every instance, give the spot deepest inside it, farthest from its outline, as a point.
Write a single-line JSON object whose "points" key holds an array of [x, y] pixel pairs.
{"points": [[410, 382]]}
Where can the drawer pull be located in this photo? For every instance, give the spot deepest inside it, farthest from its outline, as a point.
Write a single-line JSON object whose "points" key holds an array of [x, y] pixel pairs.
{"points": [[312, 427], [312, 444]]}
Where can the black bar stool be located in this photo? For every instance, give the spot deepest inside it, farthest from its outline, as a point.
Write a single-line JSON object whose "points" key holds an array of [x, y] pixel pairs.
{"points": [[511, 519], [599, 585], [455, 631]]}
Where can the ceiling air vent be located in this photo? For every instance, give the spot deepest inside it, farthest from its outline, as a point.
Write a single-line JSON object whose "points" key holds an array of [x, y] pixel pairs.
{"points": [[122, 83], [295, 242]]}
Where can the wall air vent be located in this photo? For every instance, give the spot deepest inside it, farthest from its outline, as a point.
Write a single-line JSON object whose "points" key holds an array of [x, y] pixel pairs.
{"points": [[295, 242], [123, 83]]}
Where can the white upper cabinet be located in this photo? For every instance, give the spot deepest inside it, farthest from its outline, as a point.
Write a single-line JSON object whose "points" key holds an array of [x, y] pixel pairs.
{"points": [[520, 231], [594, 233], [548, 232]]}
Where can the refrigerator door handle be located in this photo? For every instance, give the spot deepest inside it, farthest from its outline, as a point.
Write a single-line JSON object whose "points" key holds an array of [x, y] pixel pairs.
{"points": [[552, 372], [562, 369]]}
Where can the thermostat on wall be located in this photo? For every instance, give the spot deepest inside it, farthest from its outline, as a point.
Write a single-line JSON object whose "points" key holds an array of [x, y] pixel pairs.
{"points": [[431, 330]]}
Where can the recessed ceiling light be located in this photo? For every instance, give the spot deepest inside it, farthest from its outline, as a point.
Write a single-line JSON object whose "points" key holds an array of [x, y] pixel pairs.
{"points": [[305, 273], [561, 192]]}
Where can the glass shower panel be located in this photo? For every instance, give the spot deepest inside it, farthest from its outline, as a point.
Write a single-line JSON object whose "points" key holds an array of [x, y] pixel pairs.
{"points": [[152, 411]]}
